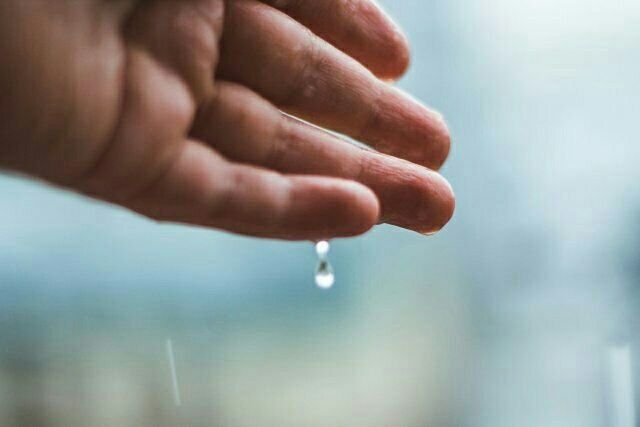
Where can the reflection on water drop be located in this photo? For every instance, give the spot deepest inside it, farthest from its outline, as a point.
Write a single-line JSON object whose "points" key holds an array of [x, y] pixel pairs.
{"points": [[324, 272], [324, 275], [322, 249]]}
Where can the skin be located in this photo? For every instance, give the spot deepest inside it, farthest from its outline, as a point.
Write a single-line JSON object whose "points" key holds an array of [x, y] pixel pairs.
{"points": [[176, 109]]}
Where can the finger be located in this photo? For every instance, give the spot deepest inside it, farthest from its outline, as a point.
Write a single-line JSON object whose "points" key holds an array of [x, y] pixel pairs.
{"points": [[300, 73], [246, 128], [202, 188], [358, 27]]}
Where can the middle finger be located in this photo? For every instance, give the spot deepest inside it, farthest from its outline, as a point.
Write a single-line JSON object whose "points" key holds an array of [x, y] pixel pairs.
{"points": [[302, 74]]}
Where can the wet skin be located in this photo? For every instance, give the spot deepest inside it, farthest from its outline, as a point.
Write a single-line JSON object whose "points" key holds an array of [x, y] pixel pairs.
{"points": [[176, 109]]}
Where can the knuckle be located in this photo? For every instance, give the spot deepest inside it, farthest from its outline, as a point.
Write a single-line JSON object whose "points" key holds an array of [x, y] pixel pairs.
{"points": [[220, 203], [371, 120], [276, 151], [196, 52], [305, 79], [195, 34]]}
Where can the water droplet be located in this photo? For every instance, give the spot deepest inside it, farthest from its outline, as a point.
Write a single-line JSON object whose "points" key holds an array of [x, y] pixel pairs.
{"points": [[174, 376], [322, 249], [324, 272], [324, 275]]}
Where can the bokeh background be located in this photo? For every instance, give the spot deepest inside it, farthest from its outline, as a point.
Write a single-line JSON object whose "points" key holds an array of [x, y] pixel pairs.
{"points": [[506, 318]]}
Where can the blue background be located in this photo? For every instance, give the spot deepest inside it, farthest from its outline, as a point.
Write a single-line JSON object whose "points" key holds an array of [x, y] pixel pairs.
{"points": [[505, 319]]}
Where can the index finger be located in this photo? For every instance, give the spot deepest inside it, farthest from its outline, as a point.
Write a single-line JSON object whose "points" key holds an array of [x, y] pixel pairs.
{"points": [[360, 28]]}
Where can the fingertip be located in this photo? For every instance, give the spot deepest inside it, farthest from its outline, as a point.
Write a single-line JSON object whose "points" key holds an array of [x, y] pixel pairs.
{"points": [[428, 126], [395, 56], [386, 48], [342, 208], [404, 127], [364, 210], [443, 199]]}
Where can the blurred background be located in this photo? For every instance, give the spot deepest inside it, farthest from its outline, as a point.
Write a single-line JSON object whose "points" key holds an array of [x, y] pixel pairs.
{"points": [[506, 318]]}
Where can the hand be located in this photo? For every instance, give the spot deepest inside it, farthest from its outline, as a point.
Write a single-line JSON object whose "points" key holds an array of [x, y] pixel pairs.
{"points": [[172, 108]]}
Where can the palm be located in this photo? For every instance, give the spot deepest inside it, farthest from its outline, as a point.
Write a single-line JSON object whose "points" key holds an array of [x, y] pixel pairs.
{"points": [[172, 108]]}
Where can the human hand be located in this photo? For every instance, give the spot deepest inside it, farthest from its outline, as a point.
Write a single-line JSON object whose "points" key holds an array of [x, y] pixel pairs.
{"points": [[172, 108]]}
